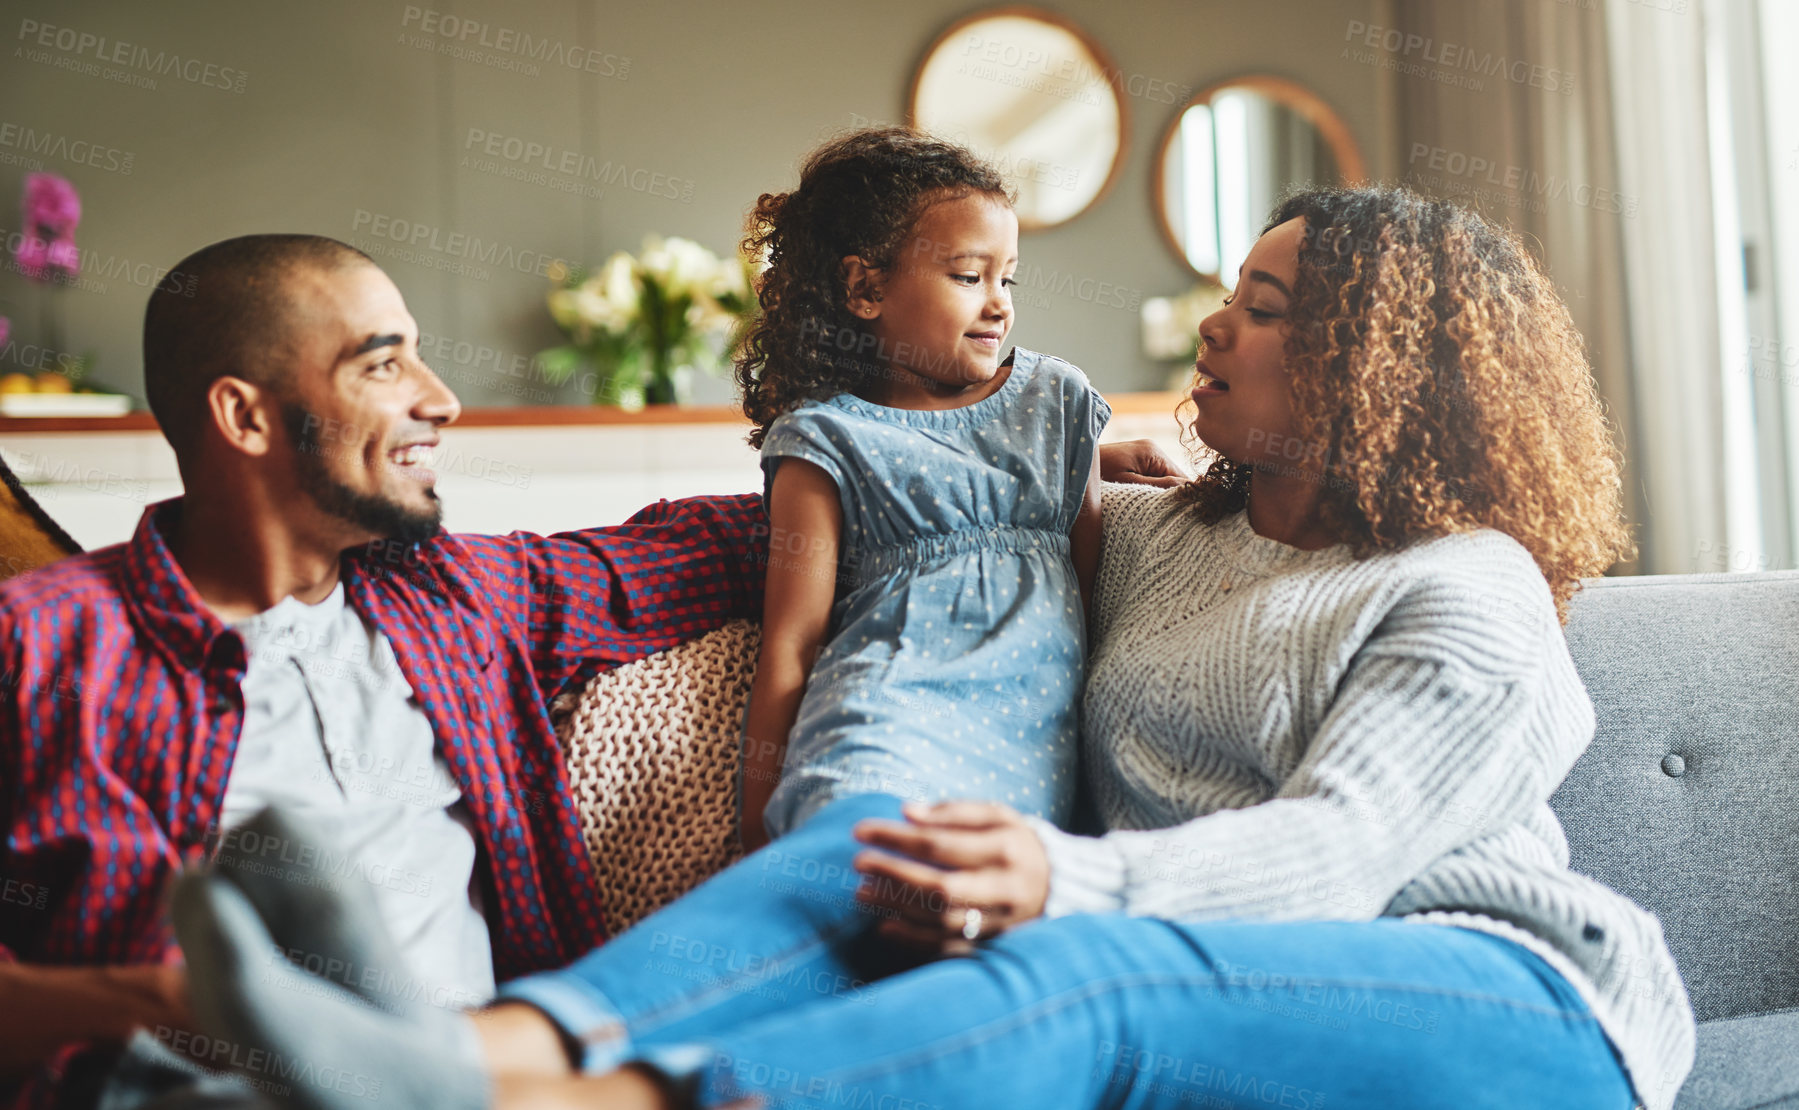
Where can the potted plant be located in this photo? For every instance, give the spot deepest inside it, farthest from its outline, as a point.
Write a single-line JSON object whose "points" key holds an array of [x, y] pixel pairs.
{"points": [[645, 324], [42, 378]]}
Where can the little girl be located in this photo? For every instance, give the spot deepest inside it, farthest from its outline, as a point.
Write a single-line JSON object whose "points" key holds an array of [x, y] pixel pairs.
{"points": [[934, 511], [935, 529]]}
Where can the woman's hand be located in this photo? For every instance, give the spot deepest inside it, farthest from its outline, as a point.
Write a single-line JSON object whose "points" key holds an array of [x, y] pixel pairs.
{"points": [[960, 871], [1141, 462]]}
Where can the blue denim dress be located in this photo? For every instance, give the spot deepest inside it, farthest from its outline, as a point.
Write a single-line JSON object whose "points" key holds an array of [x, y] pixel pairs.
{"points": [[956, 645]]}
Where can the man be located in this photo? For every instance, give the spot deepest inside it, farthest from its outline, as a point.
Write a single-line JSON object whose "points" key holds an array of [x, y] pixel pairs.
{"points": [[298, 629]]}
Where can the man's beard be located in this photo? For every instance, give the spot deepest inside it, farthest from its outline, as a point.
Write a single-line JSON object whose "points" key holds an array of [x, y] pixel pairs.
{"points": [[370, 512]]}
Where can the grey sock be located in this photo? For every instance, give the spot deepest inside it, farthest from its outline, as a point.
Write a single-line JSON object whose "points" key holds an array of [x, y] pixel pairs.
{"points": [[324, 921], [302, 1040]]}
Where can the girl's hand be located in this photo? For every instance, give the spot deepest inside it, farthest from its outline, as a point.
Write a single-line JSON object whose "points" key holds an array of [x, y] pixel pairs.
{"points": [[1141, 462], [959, 872]]}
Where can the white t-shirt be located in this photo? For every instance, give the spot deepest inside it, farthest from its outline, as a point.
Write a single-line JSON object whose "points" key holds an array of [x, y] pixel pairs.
{"points": [[333, 733]]}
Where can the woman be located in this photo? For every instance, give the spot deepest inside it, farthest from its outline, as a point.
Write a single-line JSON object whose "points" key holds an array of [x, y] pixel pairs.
{"points": [[1328, 702]]}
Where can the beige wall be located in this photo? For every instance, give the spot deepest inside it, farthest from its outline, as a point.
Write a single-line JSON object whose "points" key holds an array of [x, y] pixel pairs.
{"points": [[339, 114]]}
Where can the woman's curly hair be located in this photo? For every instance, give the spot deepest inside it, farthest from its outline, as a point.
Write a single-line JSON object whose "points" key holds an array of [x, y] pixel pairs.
{"points": [[1441, 386], [861, 195]]}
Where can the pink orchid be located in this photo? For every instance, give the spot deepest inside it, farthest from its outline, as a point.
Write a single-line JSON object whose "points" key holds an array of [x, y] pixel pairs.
{"points": [[51, 211], [52, 203], [64, 256], [32, 254]]}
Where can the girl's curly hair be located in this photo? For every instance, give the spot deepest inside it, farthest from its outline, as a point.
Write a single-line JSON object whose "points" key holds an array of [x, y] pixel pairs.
{"points": [[861, 195], [1441, 386]]}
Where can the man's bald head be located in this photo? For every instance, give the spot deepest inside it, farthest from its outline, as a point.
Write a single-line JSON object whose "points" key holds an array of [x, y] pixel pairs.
{"points": [[228, 309]]}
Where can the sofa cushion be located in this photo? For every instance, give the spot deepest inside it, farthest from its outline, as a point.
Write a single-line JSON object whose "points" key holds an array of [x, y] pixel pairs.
{"points": [[652, 752], [1688, 799], [1749, 1063], [28, 537]]}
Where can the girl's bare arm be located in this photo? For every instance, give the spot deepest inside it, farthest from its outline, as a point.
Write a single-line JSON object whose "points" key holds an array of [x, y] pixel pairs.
{"points": [[805, 527], [1084, 540]]}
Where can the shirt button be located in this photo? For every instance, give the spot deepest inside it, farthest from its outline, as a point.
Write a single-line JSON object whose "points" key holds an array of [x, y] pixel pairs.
{"points": [[1673, 766]]}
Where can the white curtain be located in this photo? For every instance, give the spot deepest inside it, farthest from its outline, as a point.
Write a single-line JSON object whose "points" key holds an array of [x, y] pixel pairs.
{"points": [[1598, 147], [1671, 281]]}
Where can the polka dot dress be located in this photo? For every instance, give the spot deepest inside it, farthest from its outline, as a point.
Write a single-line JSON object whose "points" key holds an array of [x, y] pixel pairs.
{"points": [[954, 664]]}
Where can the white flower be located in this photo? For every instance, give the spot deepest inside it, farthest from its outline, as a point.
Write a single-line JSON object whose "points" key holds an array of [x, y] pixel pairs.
{"points": [[563, 309], [1171, 324], [729, 280], [618, 281], [680, 266], [707, 314], [607, 300], [591, 306], [1192, 307]]}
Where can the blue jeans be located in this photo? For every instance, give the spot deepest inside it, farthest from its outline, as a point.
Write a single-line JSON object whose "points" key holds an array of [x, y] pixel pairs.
{"points": [[768, 981]]}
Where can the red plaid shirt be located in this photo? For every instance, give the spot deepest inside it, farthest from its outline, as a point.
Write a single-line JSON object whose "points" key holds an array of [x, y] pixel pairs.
{"points": [[121, 709]]}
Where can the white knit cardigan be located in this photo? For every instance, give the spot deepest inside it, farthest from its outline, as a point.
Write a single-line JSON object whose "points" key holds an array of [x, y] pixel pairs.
{"points": [[1281, 734]]}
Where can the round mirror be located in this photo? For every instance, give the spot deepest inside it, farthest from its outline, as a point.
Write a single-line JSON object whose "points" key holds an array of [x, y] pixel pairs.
{"points": [[1031, 93], [1231, 153]]}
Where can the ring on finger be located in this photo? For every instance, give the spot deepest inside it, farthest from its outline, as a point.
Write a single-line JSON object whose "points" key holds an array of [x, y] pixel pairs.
{"points": [[971, 924]]}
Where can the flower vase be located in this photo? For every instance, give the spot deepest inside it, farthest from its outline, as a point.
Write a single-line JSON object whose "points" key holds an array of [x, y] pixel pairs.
{"points": [[667, 384]]}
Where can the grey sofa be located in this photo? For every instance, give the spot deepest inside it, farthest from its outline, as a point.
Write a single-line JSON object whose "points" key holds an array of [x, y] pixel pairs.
{"points": [[1688, 802]]}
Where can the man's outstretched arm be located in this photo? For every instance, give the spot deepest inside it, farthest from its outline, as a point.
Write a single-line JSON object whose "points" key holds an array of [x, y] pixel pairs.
{"points": [[605, 596], [676, 570]]}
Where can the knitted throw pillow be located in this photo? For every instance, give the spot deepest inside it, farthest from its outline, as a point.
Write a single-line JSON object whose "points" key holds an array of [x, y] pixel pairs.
{"points": [[652, 752], [28, 537]]}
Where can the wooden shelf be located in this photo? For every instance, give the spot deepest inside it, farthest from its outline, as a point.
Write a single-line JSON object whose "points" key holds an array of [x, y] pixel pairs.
{"points": [[527, 416], [130, 422]]}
